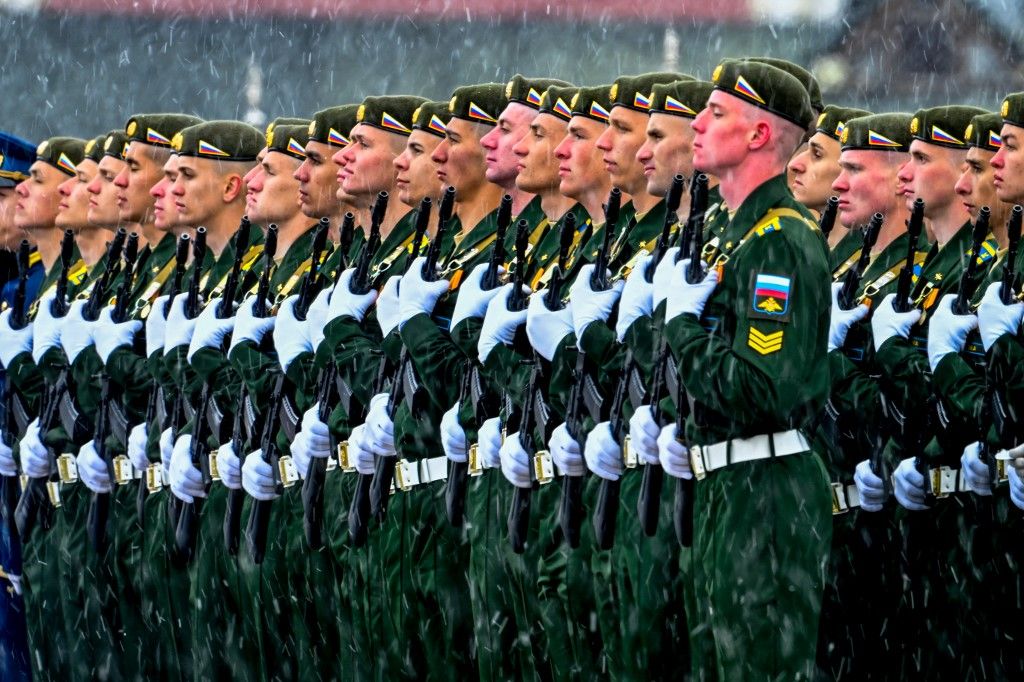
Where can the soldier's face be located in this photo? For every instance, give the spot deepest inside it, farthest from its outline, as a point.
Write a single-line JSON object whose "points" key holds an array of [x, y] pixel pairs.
{"points": [[930, 174], [724, 134], [580, 165], [369, 162], [813, 171], [318, 181], [867, 184], [250, 177], [668, 150], [200, 190], [417, 172], [165, 211], [1009, 165], [460, 157], [620, 142], [38, 198], [976, 186], [537, 165], [143, 169], [274, 192], [75, 198], [104, 207], [502, 163], [10, 236]]}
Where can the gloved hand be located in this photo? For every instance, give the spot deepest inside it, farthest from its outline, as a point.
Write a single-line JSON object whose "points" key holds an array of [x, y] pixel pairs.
{"points": [[416, 295], [473, 299], [313, 440], [290, 336], [663, 272], [248, 327], [673, 455], [637, 297], [156, 327], [603, 454], [345, 303], [1016, 487], [841, 320], [870, 488], [976, 473], [35, 458], [643, 435], [110, 336], [137, 438], [210, 331], [300, 454], [589, 305], [15, 583], [908, 486], [545, 328], [380, 430], [8, 467], [166, 452], [258, 477], [996, 319], [316, 317], [887, 323], [359, 453], [685, 298], [388, 313], [947, 332], [16, 341], [515, 462], [45, 327], [488, 443], [92, 470], [186, 479], [179, 326], [565, 452], [453, 436], [500, 323], [229, 466], [76, 332]]}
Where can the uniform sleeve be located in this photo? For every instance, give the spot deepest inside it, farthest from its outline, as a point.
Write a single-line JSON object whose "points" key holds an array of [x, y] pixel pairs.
{"points": [[436, 358]]}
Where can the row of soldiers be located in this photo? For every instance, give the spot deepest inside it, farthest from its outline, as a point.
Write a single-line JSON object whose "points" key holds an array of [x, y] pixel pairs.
{"points": [[392, 392]]}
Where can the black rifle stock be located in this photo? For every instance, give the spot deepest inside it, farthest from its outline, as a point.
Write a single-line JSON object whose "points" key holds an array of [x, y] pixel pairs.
{"points": [[962, 304], [599, 278], [852, 278], [226, 305], [606, 508], [827, 222], [346, 235], [61, 305], [19, 316]]}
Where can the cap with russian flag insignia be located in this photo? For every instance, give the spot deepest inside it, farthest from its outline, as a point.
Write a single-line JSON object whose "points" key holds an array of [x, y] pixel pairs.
{"points": [[805, 77], [158, 129], [984, 131], [223, 140], [555, 101], [833, 120], [593, 102], [683, 98], [481, 103], [289, 139], [1012, 109], [634, 92], [530, 91], [63, 153], [392, 113], [766, 87], [285, 121], [888, 132], [16, 156], [332, 125], [944, 126], [94, 148], [431, 117], [115, 144]]}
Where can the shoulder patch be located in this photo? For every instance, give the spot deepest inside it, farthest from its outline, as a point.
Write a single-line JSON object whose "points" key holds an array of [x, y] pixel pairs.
{"points": [[765, 344], [988, 251], [771, 295], [772, 225]]}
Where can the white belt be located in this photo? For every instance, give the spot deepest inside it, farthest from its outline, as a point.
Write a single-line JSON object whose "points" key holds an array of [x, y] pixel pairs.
{"points": [[706, 458], [408, 474], [844, 498]]}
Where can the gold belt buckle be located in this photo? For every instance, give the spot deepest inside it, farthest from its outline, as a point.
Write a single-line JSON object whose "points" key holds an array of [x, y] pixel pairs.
{"points": [[67, 467], [839, 505], [697, 463], [124, 472], [403, 481], [53, 491], [543, 469], [154, 478], [628, 456], [343, 460], [287, 471], [1001, 475], [473, 457], [211, 465]]}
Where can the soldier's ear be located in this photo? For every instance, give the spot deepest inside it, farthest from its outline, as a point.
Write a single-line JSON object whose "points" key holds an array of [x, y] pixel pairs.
{"points": [[234, 187]]}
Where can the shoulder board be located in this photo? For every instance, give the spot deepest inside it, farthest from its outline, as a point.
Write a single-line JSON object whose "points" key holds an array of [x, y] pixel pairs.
{"points": [[78, 272], [772, 221], [34, 258], [988, 251], [251, 256]]}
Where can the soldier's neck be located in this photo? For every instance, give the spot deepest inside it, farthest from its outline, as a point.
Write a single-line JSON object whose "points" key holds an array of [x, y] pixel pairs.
{"points": [[92, 244], [396, 211], [946, 224], [895, 225], [222, 227], [147, 231], [836, 235], [473, 208], [289, 231], [520, 199], [738, 183], [644, 202], [47, 242], [555, 205], [593, 201]]}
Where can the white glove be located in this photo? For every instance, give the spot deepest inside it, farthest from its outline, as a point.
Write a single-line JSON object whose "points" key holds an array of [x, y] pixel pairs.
{"points": [[388, 312], [210, 331], [92, 470], [15, 583], [908, 486], [545, 328], [996, 319], [248, 327], [841, 320], [110, 336], [500, 323], [166, 452], [35, 458], [8, 467], [45, 328], [156, 326], [76, 332], [870, 488], [186, 479], [313, 440], [589, 305], [565, 452], [637, 297], [359, 453], [947, 332], [229, 467], [258, 477], [603, 454], [453, 436], [887, 323], [673, 455], [684, 297], [488, 443], [300, 454], [417, 295], [663, 272], [380, 430], [345, 303], [137, 438], [1016, 487], [515, 462], [473, 299], [643, 435], [16, 341], [976, 472], [290, 336], [179, 326], [316, 318]]}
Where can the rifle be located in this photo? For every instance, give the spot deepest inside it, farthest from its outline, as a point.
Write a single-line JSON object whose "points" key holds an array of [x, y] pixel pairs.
{"points": [[606, 509], [19, 316], [599, 278], [311, 283], [180, 266], [9, 487], [497, 259], [242, 236], [91, 310], [828, 217], [61, 305], [346, 235], [131, 255], [361, 281], [962, 304], [853, 276], [236, 498], [198, 256], [1009, 281], [672, 199]]}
